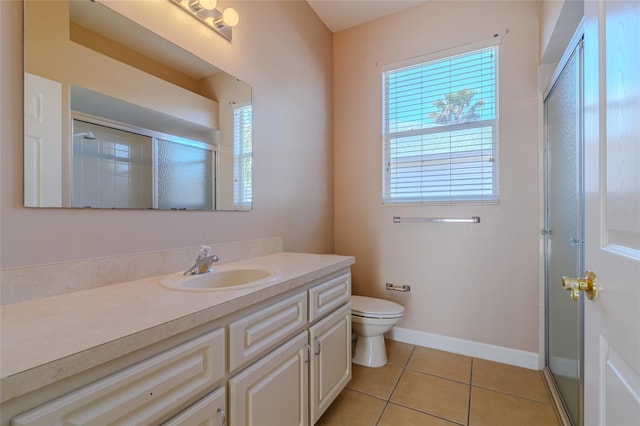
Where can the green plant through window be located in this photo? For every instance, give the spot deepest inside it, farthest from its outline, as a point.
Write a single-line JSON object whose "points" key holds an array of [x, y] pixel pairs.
{"points": [[457, 107]]}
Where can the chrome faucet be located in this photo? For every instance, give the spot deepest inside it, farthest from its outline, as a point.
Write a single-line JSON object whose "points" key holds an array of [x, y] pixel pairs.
{"points": [[203, 262]]}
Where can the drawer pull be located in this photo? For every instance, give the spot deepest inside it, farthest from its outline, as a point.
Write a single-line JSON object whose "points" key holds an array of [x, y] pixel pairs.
{"points": [[308, 351], [223, 418]]}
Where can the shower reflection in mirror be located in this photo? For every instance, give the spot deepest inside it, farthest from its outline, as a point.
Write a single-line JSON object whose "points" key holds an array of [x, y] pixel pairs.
{"points": [[116, 166]]}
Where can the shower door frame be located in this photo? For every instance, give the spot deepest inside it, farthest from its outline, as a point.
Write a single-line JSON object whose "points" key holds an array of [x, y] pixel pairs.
{"points": [[575, 45]]}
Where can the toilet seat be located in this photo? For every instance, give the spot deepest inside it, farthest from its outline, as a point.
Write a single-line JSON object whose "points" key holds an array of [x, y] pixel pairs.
{"points": [[370, 307]]}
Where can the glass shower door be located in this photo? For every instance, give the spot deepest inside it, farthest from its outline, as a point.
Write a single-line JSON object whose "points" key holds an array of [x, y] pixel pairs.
{"points": [[564, 231]]}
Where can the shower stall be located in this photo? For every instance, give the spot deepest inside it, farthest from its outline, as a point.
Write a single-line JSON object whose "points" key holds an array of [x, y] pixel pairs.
{"points": [[564, 232]]}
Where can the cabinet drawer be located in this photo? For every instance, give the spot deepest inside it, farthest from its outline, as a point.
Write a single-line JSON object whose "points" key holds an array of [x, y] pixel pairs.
{"points": [[262, 331], [326, 297], [142, 393], [210, 411]]}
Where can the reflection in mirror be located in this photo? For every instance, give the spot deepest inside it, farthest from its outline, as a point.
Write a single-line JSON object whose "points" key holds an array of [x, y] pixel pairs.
{"points": [[135, 169], [117, 117]]}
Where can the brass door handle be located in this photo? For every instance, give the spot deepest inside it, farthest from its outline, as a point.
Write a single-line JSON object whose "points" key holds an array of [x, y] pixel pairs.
{"points": [[576, 285]]}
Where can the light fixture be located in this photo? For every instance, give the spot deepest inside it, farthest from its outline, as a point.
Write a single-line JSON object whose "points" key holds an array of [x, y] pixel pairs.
{"points": [[205, 11]]}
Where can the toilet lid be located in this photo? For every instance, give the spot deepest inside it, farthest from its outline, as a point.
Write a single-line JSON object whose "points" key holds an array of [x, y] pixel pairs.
{"points": [[371, 306]]}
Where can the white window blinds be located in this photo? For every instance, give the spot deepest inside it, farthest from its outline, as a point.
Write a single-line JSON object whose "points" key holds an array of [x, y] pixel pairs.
{"points": [[440, 128], [242, 149]]}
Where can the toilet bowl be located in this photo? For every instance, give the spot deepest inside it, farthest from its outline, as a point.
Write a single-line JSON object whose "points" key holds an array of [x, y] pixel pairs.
{"points": [[370, 319]]}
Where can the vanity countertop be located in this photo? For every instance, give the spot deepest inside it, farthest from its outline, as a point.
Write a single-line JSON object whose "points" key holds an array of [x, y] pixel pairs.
{"points": [[49, 339]]}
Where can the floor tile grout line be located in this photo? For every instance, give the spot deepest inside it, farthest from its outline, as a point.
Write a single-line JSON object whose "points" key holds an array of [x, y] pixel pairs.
{"points": [[548, 401], [406, 363], [438, 376], [470, 389], [402, 370], [513, 395], [362, 392], [425, 412], [404, 367], [386, 404]]}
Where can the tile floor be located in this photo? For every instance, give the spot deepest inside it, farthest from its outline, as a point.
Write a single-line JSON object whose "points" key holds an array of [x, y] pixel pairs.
{"points": [[421, 386]]}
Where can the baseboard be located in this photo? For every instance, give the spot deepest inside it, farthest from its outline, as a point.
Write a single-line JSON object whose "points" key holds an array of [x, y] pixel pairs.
{"points": [[516, 357]]}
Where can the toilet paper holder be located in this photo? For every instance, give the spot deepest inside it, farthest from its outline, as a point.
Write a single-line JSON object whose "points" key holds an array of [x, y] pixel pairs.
{"points": [[393, 287]]}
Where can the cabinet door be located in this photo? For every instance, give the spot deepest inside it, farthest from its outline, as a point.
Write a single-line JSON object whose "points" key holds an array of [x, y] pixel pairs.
{"points": [[273, 391], [330, 341], [209, 411]]}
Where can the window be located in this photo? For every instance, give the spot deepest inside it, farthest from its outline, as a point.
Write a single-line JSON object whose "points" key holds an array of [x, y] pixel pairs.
{"points": [[242, 148], [440, 129]]}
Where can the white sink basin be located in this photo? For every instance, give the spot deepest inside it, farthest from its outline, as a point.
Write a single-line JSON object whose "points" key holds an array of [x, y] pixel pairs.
{"points": [[223, 277]]}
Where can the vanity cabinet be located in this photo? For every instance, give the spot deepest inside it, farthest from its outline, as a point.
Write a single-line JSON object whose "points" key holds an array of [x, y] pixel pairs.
{"points": [[143, 393], [282, 362], [295, 383]]}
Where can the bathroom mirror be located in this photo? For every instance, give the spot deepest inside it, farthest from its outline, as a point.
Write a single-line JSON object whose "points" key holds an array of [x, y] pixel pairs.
{"points": [[118, 117]]}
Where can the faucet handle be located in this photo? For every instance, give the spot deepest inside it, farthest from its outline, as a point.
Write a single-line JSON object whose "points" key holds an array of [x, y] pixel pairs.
{"points": [[206, 251]]}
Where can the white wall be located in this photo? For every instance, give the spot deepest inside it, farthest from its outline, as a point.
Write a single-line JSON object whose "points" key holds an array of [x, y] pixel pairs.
{"points": [[281, 49], [472, 282]]}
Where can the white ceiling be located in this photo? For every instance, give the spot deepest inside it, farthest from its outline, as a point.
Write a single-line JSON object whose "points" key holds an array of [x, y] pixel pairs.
{"points": [[339, 15]]}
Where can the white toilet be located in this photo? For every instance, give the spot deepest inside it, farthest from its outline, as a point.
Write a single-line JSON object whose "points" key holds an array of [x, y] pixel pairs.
{"points": [[370, 319]]}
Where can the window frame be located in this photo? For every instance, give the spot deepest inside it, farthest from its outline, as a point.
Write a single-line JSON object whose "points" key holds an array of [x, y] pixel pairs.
{"points": [[424, 198]]}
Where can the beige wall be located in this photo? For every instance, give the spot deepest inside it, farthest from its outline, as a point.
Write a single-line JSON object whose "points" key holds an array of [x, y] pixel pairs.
{"points": [[475, 282], [472, 282], [559, 20], [285, 53]]}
